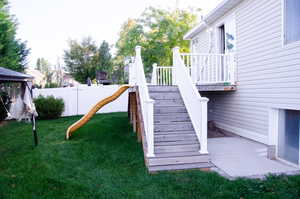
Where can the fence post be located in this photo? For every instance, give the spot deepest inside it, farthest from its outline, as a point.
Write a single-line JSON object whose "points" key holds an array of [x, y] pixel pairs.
{"points": [[194, 67], [137, 56], [232, 69], [203, 137], [132, 74], [154, 74], [150, 128], [176, 56]]}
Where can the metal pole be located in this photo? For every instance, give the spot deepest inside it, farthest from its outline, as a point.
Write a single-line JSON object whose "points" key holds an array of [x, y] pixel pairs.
{"points": [[35, 136]]}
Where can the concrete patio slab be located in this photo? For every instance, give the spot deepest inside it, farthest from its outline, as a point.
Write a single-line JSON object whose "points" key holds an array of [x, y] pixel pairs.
{"points": [[239, 157]]}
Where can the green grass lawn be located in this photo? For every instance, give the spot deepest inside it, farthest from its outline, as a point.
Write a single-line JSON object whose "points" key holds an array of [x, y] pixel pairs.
{"points": [[104, 160]]}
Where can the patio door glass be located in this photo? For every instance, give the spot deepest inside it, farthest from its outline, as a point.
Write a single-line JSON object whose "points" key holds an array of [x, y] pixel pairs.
{"points": [[289, 139]]}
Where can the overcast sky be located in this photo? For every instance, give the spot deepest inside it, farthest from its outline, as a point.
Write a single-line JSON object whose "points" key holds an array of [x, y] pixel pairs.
{"points": [[47, 24]]}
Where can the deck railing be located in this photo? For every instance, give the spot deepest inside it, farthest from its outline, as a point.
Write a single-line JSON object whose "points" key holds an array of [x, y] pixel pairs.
{"points": [[137, 77], [210, 68], [194, 103], [162, 75]]}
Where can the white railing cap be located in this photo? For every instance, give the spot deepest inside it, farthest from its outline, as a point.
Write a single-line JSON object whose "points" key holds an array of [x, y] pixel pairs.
{"points": [[203, 99], [149, 101], [176, 49]]}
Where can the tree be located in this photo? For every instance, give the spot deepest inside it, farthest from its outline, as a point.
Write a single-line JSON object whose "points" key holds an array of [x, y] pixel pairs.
{"points": [[131, 35], [158, 31], [105, 62], [13, 51], [45, 67], [82, 59]]}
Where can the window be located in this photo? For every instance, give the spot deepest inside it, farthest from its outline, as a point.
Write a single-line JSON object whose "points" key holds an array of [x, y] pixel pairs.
{"points": [[291, 21], [222, 39], [289, 135]]}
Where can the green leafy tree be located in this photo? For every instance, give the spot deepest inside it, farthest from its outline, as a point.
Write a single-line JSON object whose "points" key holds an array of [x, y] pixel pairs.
{"points": [[82, 59], [105, 62], [131, 35], [13, 51], [158, 31]]}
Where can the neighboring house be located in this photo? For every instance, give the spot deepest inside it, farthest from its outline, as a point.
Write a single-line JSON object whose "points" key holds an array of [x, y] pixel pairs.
{"points": [[39, 78], [68, 80], [245, 59], [263, 36]]}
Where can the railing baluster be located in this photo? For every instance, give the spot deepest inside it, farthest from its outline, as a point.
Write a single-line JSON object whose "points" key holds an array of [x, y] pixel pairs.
{"points": [[225, 68], [209, 68]]}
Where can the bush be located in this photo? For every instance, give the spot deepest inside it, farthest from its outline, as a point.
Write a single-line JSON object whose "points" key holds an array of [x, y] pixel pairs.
{"points": [[51, 85], [49, 107], [6, 101]]}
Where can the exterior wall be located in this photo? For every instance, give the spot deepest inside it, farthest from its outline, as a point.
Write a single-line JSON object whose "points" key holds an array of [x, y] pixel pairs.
{"points": [[268, 72], [200, 43], [79, 100]]}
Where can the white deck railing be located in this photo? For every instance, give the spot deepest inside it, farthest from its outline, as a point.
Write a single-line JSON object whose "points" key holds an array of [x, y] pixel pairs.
{"points": [[162, 75], [194, 103], [210, 68], [137, 77]]}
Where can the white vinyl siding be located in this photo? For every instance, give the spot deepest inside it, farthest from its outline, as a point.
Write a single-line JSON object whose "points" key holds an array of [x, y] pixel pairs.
{"points": [[201, 42], [268, 73]]}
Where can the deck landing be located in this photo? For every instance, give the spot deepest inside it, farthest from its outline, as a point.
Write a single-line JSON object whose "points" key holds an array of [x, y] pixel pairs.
{"points": [[216, 87]]}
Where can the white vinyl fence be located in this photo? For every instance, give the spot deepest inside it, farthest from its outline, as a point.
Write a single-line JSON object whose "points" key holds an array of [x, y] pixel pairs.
{"points": [[79, 100]]}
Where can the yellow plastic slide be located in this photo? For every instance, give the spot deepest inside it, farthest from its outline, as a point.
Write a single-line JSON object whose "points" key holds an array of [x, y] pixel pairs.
{"points": [[94, 110]]}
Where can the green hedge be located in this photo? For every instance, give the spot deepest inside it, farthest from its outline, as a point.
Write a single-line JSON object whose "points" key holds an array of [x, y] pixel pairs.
{"points": [[49, 107]]}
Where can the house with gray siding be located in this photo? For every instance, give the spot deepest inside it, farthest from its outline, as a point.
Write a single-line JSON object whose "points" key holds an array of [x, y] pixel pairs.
{"points": [[262, 41], [233, 102]]}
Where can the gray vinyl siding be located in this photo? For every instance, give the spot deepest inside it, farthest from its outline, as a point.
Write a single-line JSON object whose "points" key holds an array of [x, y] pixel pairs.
{"points": [[202, 44], [268, 72]]}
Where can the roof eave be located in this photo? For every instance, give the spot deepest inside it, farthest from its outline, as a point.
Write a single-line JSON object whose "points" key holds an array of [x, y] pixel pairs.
{"points": [[212, 16], [190, 34]]}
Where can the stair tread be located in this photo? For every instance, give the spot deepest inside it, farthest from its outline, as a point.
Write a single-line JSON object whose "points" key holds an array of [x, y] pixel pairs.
{"points": [[177, 160], [175, 143], [179, 122], [177, 148], [181, 166], [177, 154], [175, 136], [173, 132], [170, 121]]}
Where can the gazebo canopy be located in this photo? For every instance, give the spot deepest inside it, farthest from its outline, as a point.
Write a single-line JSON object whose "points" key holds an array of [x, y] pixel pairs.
{"points": [[7, 75]]}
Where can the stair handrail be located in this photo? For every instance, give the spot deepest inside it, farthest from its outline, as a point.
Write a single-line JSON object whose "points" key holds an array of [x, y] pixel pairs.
{"points": [[147, 104], [194, 103]]}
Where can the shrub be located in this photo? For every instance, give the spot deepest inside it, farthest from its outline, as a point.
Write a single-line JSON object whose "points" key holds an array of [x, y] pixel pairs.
{"points": [[49, 107], [6, 101], [51, 85]]}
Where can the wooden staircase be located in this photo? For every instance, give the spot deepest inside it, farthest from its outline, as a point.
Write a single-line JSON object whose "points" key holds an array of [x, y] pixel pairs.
{"points": [[176, 145]]}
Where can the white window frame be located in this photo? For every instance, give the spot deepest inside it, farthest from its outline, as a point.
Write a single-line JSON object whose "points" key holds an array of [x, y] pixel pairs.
{"points": [[273, 130], [283, 24]]}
